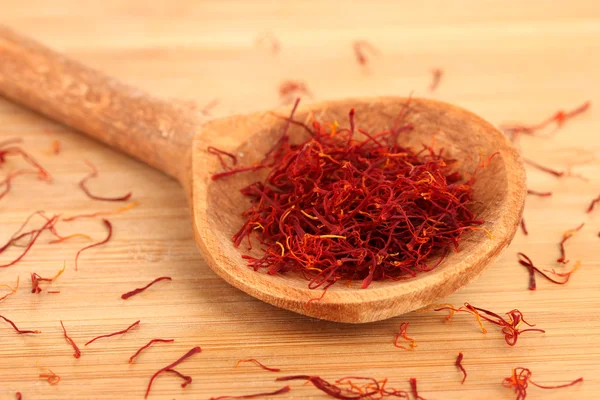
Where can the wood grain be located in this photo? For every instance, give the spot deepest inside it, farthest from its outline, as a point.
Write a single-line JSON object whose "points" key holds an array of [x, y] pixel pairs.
{"points": [[506, 61]]}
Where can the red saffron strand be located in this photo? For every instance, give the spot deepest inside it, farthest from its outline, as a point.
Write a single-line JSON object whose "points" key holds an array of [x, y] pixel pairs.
{"points": [[139, 290], [94, 174], [220, 154], [291, 89], [19, 331], [102, 213], [8, 148], [521, 378], [53, 291], [550, 171], [593, 204], [187, 379], [12, 291], [255, 361], [361, 48], [436, 79], [35, 234], [116, 333], [460, 366], [333, 390], [109, 228], [19, 396], [71, 342], [36, 279], [51, 378], [524, 227], [402, 333], [559, 118], [187, 355], [150, 343], [540, 194], [566, 236], [413, 388], [526, 262], [284, 389]]}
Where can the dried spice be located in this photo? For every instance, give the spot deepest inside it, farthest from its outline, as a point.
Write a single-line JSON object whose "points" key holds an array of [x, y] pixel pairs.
{"points": [[252, 360], [361, 48], [12, 291], [437, 74], [127, 295], [284, 389], [593, 204], [542, 168], [510, 326], [558, 119], [526, 262], [521, 378], [102, 213], [19, 331], [51, 378], [402, 334], [36, 279], [187, 355], [540, 194], [94, 174], [370, 388], [566, 236], [33, 235], [108, 236], [413, 388], [459, 365], [77, 353], [338, 208], [136, 323], [150, 343]]}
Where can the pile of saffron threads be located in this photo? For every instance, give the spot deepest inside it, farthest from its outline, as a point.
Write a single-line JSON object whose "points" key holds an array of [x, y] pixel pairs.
{"points": [[346, 204]]}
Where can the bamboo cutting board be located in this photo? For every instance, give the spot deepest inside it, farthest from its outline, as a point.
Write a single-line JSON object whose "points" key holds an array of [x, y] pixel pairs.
{"points": [[507, 61]]}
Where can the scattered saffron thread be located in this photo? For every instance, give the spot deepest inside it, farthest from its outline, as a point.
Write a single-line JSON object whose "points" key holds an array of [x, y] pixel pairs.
{"points": [[437, 74], [460, 366], [19, 396], [252, 360], [94, 174], [109, 228], [510, 326], [413, 388], [51, 378], [593, 204], [150, 343], [114, 334], [284, 389], [550, 171], [402, 333], [74, 235], [540, 194], [566, 236], [559, 118], [521, 378], [524, 227], [34, 235], [19, 331], [187, 355], [36, 279], [102, 213], [139, 290], [187, 379], [526, 262], [371, 388], [361, 48], [71, 342], [12, 291], [288, 90]]}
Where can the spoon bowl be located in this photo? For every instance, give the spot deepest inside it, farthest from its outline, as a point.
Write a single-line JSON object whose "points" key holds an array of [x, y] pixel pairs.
{"points": [[174, 139]]}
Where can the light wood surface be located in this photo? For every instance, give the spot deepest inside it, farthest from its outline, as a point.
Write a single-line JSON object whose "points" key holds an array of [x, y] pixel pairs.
{"points": [[505, 61]]}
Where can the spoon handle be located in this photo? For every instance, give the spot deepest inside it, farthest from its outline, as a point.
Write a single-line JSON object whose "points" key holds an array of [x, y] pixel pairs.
{"points": [[157, 132]]}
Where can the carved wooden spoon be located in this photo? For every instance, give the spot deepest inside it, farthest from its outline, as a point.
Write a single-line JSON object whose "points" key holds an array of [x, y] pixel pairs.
{"points": [[172, 139]]}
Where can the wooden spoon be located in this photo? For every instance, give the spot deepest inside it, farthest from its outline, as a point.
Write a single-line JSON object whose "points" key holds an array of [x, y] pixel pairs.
{"points": [[171, 138]]}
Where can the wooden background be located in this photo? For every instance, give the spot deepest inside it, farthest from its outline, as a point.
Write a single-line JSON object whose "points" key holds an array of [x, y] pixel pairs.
{"points": [[506, 60]]}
